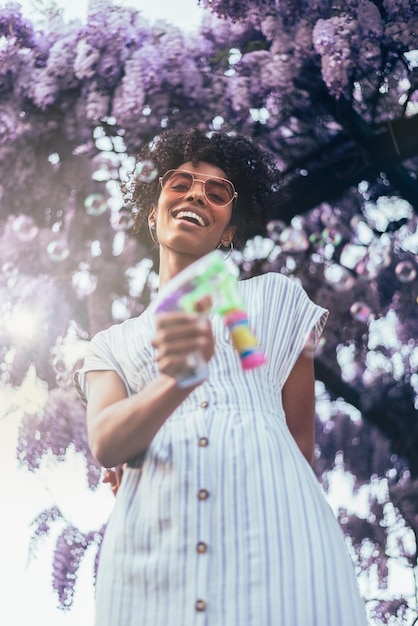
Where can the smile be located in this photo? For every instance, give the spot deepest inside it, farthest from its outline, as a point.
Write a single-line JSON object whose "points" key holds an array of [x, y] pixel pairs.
{"points": [[190, 216]]}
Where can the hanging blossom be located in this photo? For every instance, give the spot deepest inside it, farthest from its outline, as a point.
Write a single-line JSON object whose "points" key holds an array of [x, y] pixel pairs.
{"points": [[58, 73], [12, 59], [303, 49], [156, 68], [41, 527], [13, 24], [400, 8], [86, 59], [191, 80], [238, 92], [8, 124], [285, 64], [370, 26], [333, 40], [129, 97], [237, 10], [222, 32], [69, 550], [401, 35], [260, 72], [172, 49], [61, 425], [108, 39], [369, 20], [98, 103]]}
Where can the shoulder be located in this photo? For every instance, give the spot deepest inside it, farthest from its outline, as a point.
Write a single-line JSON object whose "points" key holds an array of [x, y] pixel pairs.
{"points": [[269, 284], [125, 328]]}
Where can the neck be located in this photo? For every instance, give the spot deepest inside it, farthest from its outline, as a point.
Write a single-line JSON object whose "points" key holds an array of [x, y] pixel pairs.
{"points": [[173, 264]]}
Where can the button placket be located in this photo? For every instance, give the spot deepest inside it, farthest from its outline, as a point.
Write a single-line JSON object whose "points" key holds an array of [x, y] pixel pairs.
{"points": [[203, 497]]}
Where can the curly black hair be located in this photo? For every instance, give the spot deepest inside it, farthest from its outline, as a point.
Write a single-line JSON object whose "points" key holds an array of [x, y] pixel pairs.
{"points": [[251, 170]]}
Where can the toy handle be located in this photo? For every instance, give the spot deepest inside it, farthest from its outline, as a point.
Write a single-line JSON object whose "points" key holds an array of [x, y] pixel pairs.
{"points": [[196, 371], [244, 341]]}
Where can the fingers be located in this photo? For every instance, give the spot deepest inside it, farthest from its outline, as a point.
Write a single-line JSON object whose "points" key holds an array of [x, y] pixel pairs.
{"points": [[178, 336], [114, 477]]}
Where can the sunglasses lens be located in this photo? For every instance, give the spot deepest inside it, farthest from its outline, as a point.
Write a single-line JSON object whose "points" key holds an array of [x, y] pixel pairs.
{"points": [[218, 191], [177, 183]]}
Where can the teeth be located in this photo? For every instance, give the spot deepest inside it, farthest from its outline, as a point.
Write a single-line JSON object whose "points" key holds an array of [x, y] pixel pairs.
{"points": [[191, 215]]}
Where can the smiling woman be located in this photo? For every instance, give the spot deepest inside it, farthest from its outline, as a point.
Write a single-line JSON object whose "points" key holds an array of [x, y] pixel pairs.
{"points": [[246, 178], [218, 511], [192, 198]]}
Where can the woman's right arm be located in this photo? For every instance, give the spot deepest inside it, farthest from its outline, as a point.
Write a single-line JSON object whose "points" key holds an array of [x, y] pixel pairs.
{"points": [[120, 426]]}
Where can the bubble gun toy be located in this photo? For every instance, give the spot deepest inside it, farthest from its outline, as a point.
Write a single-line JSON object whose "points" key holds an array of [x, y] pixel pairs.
{"points": [[207, 284]]}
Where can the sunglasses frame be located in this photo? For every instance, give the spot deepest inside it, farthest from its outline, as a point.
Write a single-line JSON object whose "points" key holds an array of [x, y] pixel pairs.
{"points": [[163, 180]]}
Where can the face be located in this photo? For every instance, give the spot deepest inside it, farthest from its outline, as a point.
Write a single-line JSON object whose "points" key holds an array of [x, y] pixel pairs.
{"points": [[193, 213]]}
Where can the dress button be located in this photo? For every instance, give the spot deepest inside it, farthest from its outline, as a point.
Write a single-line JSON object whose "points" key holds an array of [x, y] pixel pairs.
{"points": [[201, 547], [203, 442], [204, 404], [203, 494], [200, 605]]}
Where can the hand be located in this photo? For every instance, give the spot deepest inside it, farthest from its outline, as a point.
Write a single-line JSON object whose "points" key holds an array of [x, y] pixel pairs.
{"points": [[114, 477], [178, 336]]}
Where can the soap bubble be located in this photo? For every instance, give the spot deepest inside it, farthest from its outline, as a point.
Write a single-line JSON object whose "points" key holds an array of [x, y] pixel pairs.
{"points": [[328, 216], [122, 220], [405, 272], [95, 204], [294, 240], [331, 235], [275, 228], [315, 239], [25, 228], [9, 269], [58, 250], [360, 311], [146, 171]]}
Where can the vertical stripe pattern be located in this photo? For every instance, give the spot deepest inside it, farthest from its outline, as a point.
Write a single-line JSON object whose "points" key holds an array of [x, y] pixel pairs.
{"points": [[225, 524]]}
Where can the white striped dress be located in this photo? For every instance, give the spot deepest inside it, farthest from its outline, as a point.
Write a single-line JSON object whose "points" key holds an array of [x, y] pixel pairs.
{"points": [[225, 524]]}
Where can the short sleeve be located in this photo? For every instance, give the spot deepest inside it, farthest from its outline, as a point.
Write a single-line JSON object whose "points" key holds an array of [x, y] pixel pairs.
{"points": [[306, 323], [99, 357], [285, 318]]}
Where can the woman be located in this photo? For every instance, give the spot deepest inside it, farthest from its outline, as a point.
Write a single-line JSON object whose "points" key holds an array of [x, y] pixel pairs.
{"points": [[219, 519]]}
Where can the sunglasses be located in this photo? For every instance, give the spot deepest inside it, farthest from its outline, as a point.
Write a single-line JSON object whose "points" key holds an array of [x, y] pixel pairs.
{"points": [[217, 191]]}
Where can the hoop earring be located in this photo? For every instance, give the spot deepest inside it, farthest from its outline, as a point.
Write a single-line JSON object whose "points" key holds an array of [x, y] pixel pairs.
{"points": [[151, 230], [230, 249]]}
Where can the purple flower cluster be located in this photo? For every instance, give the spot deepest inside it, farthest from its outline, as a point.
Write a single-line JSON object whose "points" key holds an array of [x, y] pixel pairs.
{"points": [[13, 24], [116, 63], [41, 527], [69, 550], [61, 425], [238, 10]]}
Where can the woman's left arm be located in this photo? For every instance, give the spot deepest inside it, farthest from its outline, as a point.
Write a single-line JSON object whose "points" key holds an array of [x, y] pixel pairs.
{"points": [[299, 404]]}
